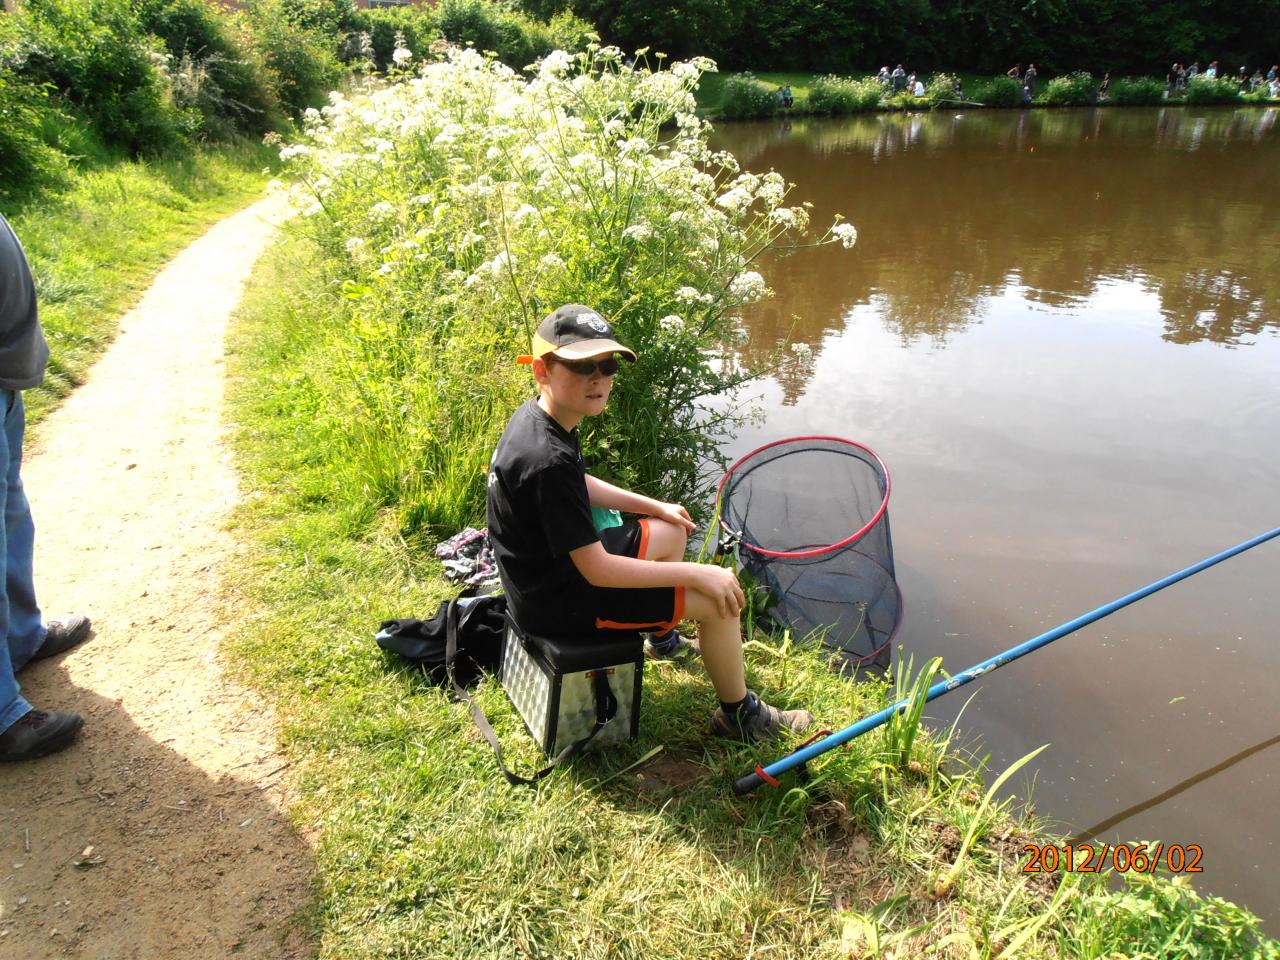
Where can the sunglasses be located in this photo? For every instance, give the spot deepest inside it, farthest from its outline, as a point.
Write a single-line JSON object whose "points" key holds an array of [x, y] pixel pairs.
{"points": [[586, 368]]}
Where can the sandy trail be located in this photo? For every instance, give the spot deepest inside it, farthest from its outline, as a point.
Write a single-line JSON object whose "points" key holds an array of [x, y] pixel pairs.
{"points": [[176, 782]]}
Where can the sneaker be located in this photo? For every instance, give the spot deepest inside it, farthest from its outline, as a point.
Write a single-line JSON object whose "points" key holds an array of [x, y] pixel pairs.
{"points": [[62, 636], [761, 722], [38, 733], [671, 647]]}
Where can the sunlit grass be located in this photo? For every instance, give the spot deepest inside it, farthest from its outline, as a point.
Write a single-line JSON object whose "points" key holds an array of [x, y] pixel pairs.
{"points": [[96, 244], [640, 851]]}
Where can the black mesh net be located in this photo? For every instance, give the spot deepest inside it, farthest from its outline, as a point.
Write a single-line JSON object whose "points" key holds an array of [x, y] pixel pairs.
{"points": [[810, 519]]}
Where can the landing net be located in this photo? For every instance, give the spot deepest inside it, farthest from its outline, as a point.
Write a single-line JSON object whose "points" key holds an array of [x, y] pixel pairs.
{"points": [[809, 518]]}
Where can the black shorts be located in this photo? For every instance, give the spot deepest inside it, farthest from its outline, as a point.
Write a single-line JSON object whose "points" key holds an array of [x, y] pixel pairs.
{"points": [[623, 608]]}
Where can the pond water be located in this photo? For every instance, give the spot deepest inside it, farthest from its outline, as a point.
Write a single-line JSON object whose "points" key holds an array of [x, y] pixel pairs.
{"points": [[1061, 331]]}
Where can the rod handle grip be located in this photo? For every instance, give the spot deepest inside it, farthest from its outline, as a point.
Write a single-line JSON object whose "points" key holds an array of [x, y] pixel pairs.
{"points": [[745, 784]]}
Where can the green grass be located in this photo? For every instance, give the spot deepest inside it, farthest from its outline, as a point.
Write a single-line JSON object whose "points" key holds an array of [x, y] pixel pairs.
{"points": [[96, 243], [424, 851], [711, 90]]}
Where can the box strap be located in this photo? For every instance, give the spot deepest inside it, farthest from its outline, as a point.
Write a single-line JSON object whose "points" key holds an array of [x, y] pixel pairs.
{"points": [[606, 708]]}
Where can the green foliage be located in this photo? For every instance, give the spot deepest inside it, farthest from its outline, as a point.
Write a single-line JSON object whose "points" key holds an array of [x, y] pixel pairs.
{"points": [[941, 90], [1205, 90], [299, 58], [1137, 91], [987, 36], [99, 55], [328, 18], [1261, 95], [26, 161], [517, 39], [903, 727], [213, 65], [491, 200], [998, 92], [1155, 917], [1070, 90], [567, 31], [747, 98], [842, 95], [417, 26]]}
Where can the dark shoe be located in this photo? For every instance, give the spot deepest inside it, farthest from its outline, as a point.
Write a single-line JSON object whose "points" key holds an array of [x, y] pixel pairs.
{"points": [[62, 636], [38, 733], [759, 722], [671, 647]]}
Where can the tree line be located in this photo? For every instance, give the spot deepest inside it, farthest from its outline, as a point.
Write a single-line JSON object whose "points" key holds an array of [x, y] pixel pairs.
{"points": [[983, 36]]}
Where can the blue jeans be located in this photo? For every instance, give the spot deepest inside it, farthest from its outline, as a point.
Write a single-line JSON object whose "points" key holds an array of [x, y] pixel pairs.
{"points": [[20, 622]]}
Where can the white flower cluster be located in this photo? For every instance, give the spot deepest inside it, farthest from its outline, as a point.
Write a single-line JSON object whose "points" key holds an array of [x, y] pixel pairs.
{"points": [[748, 287], [846, 233], [500, 192]]}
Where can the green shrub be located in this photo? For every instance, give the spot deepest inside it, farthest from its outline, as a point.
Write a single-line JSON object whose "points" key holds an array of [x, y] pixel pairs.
{"points": [[213, 66], [1164, 917], [26, 161], [941, 90], [494, 200], [1204, 90], [1261, 95], [998, 92], [567, 31], [1070, 90], [1137, 91], [416, 26], [327, 18], [98, 54], [517, 39], [473, 22], [300, 61], [747, 98], [841, 95]]}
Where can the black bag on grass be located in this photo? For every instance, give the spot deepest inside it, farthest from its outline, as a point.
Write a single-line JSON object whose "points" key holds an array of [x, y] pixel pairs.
{"points": [[462, 642], [481, 625]]}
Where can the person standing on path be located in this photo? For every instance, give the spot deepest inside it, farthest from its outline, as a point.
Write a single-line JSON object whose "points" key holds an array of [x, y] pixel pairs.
{"points": [[25, 732], [1029, 80]]}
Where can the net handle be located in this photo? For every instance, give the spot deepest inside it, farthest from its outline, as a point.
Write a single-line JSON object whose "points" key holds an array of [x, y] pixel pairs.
{"points": [[818, 551]]}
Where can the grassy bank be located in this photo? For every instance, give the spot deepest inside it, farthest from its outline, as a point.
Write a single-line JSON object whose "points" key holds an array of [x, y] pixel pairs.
{"points": [[715, 92], [95, 245], [642, 851]]}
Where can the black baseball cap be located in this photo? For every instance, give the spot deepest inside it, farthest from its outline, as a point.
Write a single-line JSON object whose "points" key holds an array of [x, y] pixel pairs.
{"points": [[575, 332]]}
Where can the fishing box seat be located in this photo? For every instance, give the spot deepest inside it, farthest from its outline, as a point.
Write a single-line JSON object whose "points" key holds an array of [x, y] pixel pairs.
{"points": [[566, 687]]}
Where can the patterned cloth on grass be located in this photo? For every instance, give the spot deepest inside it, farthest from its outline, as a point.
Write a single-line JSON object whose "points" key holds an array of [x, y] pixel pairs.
{"points": [[468, 558]]}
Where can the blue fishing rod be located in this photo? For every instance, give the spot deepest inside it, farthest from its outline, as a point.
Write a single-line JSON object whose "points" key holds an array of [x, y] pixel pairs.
{"points": [[770, 774]]}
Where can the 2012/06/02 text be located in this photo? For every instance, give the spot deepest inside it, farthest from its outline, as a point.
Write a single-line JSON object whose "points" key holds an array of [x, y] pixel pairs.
{"points": [[1120, 857]]}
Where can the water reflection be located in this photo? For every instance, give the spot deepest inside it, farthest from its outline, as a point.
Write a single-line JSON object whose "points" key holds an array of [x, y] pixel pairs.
{"points": [[956, 209], [1059, 331]]}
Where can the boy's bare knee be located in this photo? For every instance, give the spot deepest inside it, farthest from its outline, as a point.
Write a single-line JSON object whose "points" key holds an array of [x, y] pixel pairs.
{"points": [[666, 541], [704, 610]]}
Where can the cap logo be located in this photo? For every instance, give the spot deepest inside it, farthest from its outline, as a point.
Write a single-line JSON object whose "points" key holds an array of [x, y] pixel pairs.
{"points": [[593, 321]]}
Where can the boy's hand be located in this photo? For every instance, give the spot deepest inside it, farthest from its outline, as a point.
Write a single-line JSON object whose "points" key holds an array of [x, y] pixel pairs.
{"points": [[674, 514], [721, 585]]}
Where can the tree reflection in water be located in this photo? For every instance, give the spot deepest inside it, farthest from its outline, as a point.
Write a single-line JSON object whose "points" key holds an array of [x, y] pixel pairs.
{"points": [[956, 208]]}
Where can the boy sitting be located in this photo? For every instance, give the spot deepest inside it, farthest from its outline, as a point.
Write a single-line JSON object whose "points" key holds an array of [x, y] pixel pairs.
{"points": [[562, 576]]}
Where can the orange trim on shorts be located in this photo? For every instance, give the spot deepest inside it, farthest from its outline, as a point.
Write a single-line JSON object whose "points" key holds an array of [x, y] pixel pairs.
{"points": [[662, 625], [644, 538]]}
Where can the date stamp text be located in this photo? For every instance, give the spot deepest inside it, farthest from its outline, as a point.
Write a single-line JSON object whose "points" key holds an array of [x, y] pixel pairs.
{"points": [[1120, 857]]}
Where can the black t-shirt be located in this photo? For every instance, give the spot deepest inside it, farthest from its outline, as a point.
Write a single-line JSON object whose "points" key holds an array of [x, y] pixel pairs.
{"points": [[538, 512]]}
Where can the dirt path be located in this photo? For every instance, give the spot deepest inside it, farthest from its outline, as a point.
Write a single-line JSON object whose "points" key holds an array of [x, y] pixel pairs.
{"points": [[176, 784]]}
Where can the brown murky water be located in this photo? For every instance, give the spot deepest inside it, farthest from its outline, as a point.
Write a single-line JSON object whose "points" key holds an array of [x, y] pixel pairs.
{"points": [[1061, 330]]}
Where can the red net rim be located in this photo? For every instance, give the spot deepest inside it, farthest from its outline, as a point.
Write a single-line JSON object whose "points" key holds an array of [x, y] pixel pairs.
{"points": [[816, 551]]}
